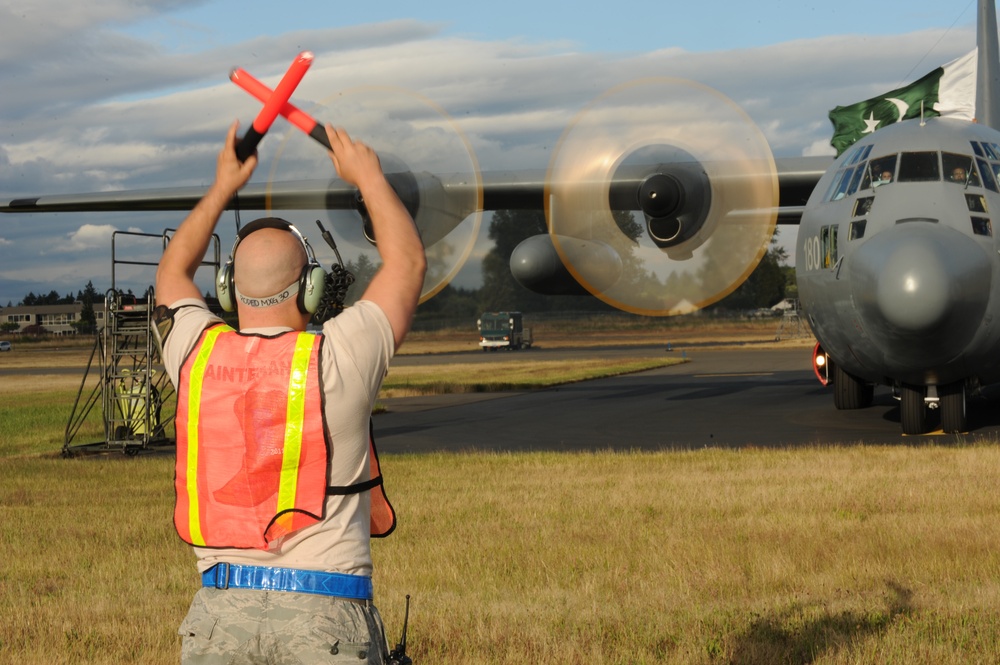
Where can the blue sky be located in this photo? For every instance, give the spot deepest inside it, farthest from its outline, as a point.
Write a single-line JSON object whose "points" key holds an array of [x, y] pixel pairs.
{"points": [[624, 25], [124, 95]]}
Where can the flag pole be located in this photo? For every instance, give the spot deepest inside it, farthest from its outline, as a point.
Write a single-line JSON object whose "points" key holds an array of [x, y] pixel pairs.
{"points": [[988, 66]]}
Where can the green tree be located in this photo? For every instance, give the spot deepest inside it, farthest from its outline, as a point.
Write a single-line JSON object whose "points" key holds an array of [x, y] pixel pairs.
{"points": [[449, 305], [791, 282], [500, 291], [88, 320], [765, 286], [363, 270]]}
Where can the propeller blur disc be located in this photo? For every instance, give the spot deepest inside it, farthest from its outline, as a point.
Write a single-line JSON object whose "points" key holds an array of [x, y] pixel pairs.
{"points": [[424, 155], [685, 143]]}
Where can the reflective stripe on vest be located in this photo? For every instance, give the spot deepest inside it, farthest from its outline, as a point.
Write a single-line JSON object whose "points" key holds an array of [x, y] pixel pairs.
{"points": [[252, 455]]}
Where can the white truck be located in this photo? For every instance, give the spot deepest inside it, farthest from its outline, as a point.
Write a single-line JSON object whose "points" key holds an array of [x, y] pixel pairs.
{"points": [[503, 330]]}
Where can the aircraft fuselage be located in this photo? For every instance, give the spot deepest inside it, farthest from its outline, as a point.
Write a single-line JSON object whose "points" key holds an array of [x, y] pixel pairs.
{"points": [[897, 261]]}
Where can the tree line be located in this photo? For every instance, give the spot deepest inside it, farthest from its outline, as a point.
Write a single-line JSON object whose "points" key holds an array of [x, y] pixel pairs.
{"points": [[87, 296], [767, 285], [770, 283]]}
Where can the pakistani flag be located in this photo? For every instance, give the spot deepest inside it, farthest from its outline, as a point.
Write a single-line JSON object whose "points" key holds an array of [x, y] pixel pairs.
{"points": [[948, 91]]}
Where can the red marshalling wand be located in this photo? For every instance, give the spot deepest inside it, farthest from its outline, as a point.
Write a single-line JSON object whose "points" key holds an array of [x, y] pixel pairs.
{"points": [[297, 117], [273, 105]]}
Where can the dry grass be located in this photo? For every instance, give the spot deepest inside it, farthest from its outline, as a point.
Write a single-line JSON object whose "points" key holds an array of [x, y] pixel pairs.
{"points": [[598, 331], [455, 377], [96, 577], [853, 554], [35, 407], [835, 555], [844, 555]]}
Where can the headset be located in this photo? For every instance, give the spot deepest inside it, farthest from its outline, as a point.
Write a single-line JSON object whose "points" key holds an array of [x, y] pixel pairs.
{"points": [[308, 289]]}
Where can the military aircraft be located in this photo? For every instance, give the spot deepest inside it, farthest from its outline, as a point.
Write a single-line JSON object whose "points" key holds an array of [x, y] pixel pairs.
{"points": [[897, 263], [898, 280]]}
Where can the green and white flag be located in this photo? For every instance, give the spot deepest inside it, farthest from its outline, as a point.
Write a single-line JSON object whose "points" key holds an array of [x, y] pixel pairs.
{"points": [[948, 91]]}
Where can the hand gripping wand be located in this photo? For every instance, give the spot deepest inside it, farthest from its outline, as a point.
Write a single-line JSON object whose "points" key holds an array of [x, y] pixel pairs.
{"points": [[299, 119]]}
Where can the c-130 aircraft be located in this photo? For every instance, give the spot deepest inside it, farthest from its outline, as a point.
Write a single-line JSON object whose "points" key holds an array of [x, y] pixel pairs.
{"points": [[896, 261]]}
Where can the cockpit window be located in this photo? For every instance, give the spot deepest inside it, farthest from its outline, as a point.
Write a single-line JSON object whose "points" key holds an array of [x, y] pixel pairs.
{"points": [[988, 170], [838, 188], [859, 171], [959, 169], [854, 175], [919, 167], [859, 155], [988, 180], [881, 170]]}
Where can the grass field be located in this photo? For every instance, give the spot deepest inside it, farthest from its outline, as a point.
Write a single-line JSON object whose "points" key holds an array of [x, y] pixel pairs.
{"points": [[852, 554]]}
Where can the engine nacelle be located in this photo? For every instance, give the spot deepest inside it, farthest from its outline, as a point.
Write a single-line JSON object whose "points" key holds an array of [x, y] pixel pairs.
{"points": [[536, 265], [670, 187]]}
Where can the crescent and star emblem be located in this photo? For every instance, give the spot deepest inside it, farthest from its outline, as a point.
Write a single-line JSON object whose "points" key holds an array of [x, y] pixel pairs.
{"points": [[871, 124]]}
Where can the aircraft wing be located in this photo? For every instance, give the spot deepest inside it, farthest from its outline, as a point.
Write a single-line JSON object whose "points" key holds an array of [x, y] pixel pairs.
{"points": [[673, 195], [797, 177], [502, 190], [297, 195]]}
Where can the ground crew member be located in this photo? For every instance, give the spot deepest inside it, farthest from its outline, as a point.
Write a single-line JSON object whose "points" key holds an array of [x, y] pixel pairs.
{"points": [[276, 478]]}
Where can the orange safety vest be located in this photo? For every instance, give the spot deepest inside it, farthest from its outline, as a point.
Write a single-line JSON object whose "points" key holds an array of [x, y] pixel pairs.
{"points": [[252, 448]]}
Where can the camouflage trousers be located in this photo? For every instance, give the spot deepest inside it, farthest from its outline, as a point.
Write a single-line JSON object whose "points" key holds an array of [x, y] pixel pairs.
{"points": [[244, 626]]}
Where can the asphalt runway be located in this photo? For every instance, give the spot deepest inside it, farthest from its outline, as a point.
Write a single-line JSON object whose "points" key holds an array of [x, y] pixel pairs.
{"points": [[733, 398], [763, 397]]}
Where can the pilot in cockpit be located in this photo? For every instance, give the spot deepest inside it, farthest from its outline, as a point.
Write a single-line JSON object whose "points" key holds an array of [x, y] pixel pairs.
{"points": [[958, 175], [884, 178]]}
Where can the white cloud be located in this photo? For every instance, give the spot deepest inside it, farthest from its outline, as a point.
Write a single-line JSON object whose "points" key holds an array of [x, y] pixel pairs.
{"points": [[87, 107], [87, 237]]}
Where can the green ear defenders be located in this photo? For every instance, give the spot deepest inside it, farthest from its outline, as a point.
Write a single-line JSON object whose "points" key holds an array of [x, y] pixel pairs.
{"points": [[308, 289]]}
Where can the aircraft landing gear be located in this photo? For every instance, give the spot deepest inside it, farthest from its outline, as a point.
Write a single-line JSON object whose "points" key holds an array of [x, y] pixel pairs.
{"points": [[953, 415], [912, 409], [850, 392]]}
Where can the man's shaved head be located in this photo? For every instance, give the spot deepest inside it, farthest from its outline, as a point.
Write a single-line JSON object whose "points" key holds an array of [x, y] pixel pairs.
{"points": [[267, 261]]}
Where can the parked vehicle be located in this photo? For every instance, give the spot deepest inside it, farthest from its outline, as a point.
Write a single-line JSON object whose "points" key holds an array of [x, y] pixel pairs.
{"points": [[503, 330]]}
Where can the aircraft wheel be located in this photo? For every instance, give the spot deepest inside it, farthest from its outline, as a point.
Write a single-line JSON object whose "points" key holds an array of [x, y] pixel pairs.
{"points": [[850, 392], [913, 411], [953, 415]]}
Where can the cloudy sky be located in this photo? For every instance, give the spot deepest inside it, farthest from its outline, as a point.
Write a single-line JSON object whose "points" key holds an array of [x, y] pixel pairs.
{"points": [[126, 94]]}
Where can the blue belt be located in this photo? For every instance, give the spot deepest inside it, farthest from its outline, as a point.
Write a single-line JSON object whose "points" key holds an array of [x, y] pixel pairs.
{"points": [[232, 576]]}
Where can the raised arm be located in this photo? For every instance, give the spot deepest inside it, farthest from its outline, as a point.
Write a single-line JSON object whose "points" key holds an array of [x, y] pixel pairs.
{"points": [[186, 249], [397, 284]]}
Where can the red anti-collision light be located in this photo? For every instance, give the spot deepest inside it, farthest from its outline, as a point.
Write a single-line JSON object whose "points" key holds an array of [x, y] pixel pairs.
{"points": [[821, 364]]}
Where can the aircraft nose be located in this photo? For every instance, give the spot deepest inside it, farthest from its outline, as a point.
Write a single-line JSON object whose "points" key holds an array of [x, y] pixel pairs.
{"points": [[921, 289]]}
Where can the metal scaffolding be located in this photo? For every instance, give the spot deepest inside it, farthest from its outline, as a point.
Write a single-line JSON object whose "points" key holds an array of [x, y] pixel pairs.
{"points": [[134, 392]]}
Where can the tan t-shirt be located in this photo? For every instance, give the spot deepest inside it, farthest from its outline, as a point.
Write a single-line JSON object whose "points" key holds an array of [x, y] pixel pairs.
{"points": [[356, 352]]}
